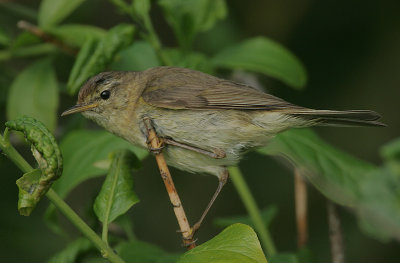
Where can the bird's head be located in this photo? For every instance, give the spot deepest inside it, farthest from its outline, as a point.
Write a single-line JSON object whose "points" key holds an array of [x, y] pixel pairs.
{"points": [[104, 96]]}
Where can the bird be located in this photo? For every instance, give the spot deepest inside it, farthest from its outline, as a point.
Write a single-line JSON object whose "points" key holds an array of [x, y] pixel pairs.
{"points": [[206, 123]]}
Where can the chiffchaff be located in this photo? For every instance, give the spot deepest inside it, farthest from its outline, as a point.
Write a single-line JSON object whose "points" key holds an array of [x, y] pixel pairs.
{"points": [[207, 123]]}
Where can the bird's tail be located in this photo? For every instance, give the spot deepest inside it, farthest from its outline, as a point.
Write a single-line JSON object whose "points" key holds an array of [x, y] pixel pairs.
{"points": [[339, 118]]}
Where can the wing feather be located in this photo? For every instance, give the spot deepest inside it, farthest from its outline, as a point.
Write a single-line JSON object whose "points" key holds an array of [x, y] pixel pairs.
{"points": [[187, 89]]}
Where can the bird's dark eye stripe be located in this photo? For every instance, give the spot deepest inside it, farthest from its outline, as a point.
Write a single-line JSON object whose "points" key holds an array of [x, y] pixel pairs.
{"points": [[100, 81], [105, 94]]}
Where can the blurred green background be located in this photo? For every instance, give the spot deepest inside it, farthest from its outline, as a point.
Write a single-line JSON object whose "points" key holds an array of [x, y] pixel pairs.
{"points": [[351, 50]]}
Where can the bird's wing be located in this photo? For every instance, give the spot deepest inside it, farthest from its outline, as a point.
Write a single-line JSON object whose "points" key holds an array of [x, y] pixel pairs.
{"points": [[201, 91]]}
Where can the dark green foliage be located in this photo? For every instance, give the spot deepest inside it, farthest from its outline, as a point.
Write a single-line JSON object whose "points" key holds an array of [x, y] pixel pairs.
{"points": [[94, 56], [40, 71], [116, 195]]}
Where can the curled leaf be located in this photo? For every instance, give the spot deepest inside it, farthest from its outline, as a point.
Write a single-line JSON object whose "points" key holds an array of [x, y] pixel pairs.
{"points": [[33, 185], [26, 185]]}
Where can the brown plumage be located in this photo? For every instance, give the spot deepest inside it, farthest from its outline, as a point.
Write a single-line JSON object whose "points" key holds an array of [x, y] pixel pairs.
{"points": [[182, 89], [198, 111], [202, 111]]}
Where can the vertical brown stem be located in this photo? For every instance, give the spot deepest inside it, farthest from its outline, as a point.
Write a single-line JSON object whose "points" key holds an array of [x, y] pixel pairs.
{"points": [[335, 234], [155, 143], [300, 189]]}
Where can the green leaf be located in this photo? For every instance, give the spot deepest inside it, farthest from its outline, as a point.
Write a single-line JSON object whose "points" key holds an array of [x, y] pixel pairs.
{"points": [[265, 56], [25, 39], [373, 193], [138, 251], [378, 208], [267, 214], [18, 11], [52, 12], [28, 182], [390, 152], [34, 92], [95, 57], [86, 156], [141, 7], [77, 35], [187, 18], [84, 55], [138, 56], [237, 243], [72, 251], [193, 60], [116, 195], [34, 185], [4, 38], [30, 51], [334, 173], [84, 153]]}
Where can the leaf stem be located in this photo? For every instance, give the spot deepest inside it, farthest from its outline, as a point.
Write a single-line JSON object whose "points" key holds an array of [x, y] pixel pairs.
{"points": [[64, 208], [150, 35], [104, 234], [106, 251], [12, 153], [254, 212]]}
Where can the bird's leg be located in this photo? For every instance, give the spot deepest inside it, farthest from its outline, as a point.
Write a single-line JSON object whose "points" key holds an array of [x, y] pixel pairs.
{"points": [[153, 137], [217, 154], [222, 181], [158, 149]]}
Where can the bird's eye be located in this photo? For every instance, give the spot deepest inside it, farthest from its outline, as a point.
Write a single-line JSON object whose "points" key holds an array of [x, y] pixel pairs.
{"points": [[105, 94]]}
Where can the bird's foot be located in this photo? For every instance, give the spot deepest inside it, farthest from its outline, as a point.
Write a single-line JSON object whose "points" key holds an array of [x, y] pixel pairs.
{"points": [[193, 230], [219, 154], [157, 150]]}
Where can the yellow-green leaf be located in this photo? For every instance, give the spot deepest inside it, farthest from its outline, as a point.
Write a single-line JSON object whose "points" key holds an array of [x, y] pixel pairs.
{"points": [[52, 12], [265, 56], [116, 195], [238, 243], [35, 93]]}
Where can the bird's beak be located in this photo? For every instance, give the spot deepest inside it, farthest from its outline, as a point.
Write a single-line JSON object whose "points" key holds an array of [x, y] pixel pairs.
{"points": [[79, 108]]}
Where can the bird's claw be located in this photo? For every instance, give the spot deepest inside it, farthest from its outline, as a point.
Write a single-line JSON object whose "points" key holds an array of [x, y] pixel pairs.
{"points": [[192, 232], [189, 243], [157, 150], [219, 154]]}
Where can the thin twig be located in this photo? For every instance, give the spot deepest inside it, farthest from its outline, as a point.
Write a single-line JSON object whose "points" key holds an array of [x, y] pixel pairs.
{"points": [[46, 37], [335, 234], [155, 143], [300, 193]]}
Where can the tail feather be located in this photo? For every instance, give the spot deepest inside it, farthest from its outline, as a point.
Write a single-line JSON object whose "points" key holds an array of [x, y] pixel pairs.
{"points": [[340, 118]]}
